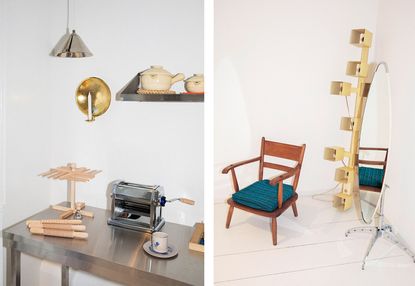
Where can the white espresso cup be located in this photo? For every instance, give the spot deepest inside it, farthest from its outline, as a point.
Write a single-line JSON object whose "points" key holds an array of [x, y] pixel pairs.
{"points": [[159, 242]]}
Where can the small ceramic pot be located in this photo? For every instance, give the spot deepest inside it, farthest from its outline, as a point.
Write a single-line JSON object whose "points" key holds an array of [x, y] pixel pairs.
{"points": [[195, 84], [157, 78]]}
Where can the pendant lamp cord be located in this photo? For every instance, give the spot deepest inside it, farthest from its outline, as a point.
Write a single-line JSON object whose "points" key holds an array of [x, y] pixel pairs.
{"points": [[67, 16]]}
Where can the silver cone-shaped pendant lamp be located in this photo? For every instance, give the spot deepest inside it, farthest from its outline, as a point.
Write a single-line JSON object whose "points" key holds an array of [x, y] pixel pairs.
{"points": [[70, 45]]}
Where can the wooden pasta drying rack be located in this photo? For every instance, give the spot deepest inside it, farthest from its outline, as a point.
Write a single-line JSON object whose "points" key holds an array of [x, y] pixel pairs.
{"points": [[71, 174]]}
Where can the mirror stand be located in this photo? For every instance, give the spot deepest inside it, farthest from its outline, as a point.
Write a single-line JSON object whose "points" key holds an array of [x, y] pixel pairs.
{"points": [[382, 230]]}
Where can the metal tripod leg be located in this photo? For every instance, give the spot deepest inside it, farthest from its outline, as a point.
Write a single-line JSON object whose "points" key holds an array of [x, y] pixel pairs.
{"points": [[395, 240], [362, 229], [369, 248]]}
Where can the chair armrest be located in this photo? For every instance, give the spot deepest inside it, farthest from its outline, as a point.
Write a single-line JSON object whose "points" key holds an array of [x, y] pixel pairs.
{"points": [[233, 166], [282, 177]]}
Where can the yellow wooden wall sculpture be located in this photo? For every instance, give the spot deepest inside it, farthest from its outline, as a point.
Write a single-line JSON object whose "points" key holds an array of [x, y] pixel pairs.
{"points": [[347, 175]]}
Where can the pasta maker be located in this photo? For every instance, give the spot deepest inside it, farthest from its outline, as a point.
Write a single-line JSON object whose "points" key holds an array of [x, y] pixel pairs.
{"points": [[137, 206]]}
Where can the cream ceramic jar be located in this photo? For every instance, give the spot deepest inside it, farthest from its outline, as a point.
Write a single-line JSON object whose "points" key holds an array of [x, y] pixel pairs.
{"points": [[157, 78], [195, 84]]}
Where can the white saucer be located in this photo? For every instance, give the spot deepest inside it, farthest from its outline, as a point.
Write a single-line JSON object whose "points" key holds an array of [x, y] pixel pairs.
{"points": [[171, 250]]}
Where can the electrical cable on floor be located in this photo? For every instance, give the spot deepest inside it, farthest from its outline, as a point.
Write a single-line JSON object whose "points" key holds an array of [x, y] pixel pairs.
{"points": [[347, 105], [325, 193]]}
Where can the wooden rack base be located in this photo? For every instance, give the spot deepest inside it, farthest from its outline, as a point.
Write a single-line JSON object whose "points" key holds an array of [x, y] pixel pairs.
{"points": [[71, 174], [67, 212]]}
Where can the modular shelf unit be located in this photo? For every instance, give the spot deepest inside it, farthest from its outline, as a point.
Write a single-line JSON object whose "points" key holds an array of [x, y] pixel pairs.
{"points": [[347, 175]]}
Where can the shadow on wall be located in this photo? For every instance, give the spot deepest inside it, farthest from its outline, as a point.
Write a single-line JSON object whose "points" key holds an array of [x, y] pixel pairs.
{"points": [[232, 129]]}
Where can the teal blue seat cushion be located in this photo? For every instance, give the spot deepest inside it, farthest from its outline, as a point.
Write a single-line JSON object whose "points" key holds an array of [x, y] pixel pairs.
{"points": [[262, 196], [372, 177]]}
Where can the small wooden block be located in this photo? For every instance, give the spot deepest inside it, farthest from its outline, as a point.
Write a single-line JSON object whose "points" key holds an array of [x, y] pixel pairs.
{"points": [[342, 201], [346, 124], [340, 88], [361, 38], [198, 233], [357, 69], [334, 153], [343, 174]]}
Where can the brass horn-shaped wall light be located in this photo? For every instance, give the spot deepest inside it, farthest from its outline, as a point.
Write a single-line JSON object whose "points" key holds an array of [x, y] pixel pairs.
{"points": [[70, 45], [93, 97]]}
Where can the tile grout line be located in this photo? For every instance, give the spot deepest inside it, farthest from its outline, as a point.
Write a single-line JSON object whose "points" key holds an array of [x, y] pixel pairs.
{"points": [[306, 269]]}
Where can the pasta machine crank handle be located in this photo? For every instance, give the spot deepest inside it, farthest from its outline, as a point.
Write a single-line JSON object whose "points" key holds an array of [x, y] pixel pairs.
{"points": [[163, 201]]}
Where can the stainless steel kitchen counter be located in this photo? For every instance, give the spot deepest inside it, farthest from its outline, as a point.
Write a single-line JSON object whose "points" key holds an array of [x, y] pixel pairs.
{"points": [[112, 253]]}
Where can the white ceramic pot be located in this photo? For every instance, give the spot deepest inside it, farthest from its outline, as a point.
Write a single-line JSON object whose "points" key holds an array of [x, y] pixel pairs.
{"points": [[156, 78], [195, 84]]}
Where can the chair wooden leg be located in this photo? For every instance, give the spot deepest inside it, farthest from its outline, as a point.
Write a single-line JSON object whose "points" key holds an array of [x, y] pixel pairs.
{"points": [[294, 206], [228, 220], [274, 230]]}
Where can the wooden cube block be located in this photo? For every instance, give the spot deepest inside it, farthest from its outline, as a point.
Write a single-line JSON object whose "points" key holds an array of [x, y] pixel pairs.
{"points": [[343, 201], [334, 153], [340, 88], [198, 234], [343, 174], [361, 38], [357, 69], [346, 123]]}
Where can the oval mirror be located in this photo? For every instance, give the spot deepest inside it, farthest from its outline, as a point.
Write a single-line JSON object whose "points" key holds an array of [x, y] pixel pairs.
{"points": [[374, 144]]}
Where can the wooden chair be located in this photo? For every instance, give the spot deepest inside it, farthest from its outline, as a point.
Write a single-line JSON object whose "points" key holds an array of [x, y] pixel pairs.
{"points": [[374, 163], [279, 150]]}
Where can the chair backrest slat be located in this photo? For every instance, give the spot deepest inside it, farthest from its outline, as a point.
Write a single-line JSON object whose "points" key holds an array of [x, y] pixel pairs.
{"points": [[283, 151], [277, 166]]}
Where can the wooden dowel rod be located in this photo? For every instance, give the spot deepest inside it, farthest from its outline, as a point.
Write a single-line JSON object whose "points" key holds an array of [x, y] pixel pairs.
{"points": [[66, 214], [86, 213], [60, 208]]}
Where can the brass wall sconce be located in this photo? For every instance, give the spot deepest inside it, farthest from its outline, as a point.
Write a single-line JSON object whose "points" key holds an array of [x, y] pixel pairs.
{"points": [[93, 97]]}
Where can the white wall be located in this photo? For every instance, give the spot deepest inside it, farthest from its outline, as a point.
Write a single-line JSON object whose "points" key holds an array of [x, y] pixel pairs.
{"points": [[274, 61], [395, 44], [152, 143], [27, 123]]}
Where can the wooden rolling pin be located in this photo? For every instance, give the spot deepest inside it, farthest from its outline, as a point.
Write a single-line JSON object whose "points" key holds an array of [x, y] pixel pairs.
{"points": [[77, 227], [55, 221], [59, 233]]}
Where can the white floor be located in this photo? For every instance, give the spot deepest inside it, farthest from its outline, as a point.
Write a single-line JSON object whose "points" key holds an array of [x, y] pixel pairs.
{"points": [[311, 250]]}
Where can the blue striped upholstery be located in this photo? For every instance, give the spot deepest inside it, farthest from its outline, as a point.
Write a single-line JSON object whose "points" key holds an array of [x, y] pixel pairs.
{"points": [[372, 177], [262, 196]]}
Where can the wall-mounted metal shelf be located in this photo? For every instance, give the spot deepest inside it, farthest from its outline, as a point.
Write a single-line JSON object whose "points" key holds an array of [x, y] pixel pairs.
{"points": [[129, 93]]}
